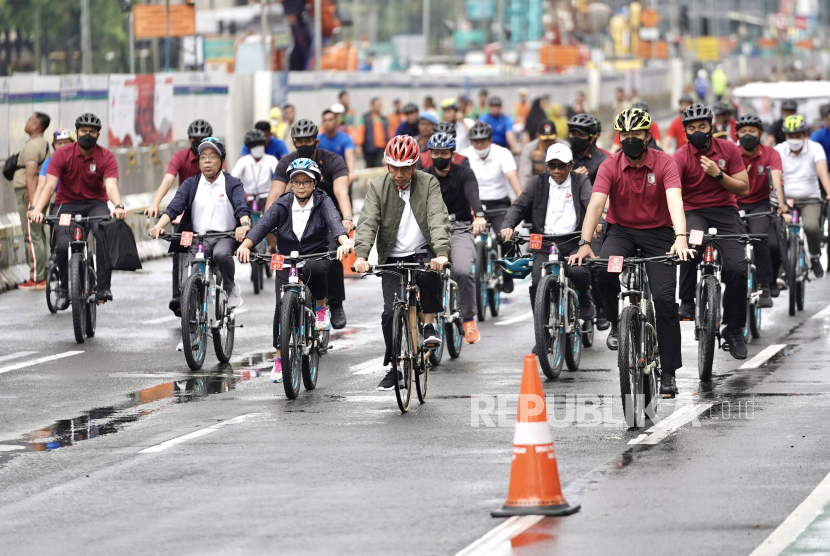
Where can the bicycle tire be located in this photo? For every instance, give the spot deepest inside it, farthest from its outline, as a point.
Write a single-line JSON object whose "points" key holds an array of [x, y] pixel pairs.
{"points": [[651, 382], [256, 277], [401, 342], [801, 284], [546, 327], [632, 392], [421, 379], [311, 362], [573, 341], [291, 344], [76, 295], [754, 308], [53, 285], [90, 309], [481, 281], [494, 294], [441, 325], [455, 331], [194, 321], [792, 262], [223, 336], [710, 300]]}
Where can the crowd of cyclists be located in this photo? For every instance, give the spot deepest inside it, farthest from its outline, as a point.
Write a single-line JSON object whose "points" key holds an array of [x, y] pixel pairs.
{"points": [[448, 183]]}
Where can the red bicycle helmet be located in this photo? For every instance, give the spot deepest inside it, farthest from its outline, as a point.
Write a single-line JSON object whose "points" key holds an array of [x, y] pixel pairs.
{"points": [[401, 151]]}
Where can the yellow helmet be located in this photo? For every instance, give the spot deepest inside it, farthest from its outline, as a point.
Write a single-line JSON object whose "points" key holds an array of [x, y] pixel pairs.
{"points": [[633, 119], [795, 124]]}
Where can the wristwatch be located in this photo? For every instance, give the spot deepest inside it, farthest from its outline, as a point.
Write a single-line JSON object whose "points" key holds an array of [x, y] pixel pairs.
{"points": [[719, 176], [480, 214], [349, 218], [119, 206], [583, 242]]}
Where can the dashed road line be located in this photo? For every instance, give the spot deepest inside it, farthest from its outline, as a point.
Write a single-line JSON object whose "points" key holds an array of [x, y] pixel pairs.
{"points": [[17, 355], [824, 313], [370, 367], [762, 357], [503, 533], [514, 320], [161, 319], [664, 428], [195, 434], [38, 361]]}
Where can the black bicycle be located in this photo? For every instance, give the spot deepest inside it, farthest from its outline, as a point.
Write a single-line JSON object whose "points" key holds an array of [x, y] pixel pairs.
{"points": [[83, 288], [301, 344], [448, 323]]}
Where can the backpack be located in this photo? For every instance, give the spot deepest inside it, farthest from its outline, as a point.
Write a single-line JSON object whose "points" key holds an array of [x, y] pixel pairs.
{"points": [[120, 249]]}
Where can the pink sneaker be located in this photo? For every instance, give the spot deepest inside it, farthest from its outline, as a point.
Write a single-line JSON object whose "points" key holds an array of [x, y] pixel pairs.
{"points": [[276, 372], [323, 318]]}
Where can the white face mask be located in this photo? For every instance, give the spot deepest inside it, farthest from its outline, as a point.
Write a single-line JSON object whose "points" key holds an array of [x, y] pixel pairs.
{"points": [[482, 153], [795, 144], [257, 152]]}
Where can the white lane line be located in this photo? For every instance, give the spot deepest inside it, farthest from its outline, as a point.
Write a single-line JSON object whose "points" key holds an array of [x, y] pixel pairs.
{"points": [[514, 320], [762, 357], [38, 361], [161, 319], [366, 364], [10, 448], [371, 369], [664, 428], [17, 355], [796, 522], [195, 434], [503, 533], [824, 313]]}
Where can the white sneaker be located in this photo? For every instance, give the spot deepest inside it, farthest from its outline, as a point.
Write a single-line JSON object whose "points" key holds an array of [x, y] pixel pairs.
{"points": [[276, 372], [235, 297], [180, 346]]}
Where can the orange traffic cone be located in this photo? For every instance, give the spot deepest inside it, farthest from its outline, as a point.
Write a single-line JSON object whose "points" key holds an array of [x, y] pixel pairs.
{"points": [[534, 476]]}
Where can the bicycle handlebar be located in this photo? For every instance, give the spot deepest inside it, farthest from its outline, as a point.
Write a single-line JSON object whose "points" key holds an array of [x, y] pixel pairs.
{"points": [[740, 238], [263, 259], [549, 237], [176, 235], [78, 219], [417, 267], [668, 260]]}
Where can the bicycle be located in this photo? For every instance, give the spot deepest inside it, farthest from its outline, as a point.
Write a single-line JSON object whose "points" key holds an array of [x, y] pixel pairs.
{"points": [[448, 323], [83, 288], [753, 288], [488, 274], [708, 316], [797, 270], [204, 304], [258, 270], [301, 343], [638, 356], [408, 348]]}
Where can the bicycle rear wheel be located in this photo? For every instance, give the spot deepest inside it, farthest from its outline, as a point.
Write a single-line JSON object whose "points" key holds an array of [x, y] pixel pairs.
{"points": [[454, 331], [53, 285], [223, 336], [441, 326], [77, 293], [793, 255], [494, 293], [573, 340], [801, 283], [710, 303], [631, 378], [420, 373], [651, 379], [547, 328], [402, 358], [753, 308], [311, 362], [91, 308], [194, 321], [481, 281], [291, 343]]}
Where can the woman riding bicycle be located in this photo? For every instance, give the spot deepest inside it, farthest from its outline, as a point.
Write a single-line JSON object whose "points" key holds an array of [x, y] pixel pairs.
{"points": [[302, 218]]}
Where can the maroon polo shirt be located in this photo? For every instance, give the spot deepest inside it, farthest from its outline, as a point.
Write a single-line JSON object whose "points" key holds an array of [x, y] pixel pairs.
{"points": [[638, 195], [184, 164], [756, 169], [701, 190], [82, 177]]}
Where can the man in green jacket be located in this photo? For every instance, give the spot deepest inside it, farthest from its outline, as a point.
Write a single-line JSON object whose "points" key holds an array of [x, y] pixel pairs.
{"points": [[405, 214]]}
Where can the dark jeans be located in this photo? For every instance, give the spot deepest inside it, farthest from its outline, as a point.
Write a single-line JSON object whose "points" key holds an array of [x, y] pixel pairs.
{"points": [[336, 280], [373, 159], [760, 225], [429, 284], [662, 279], [579, 275], [732, 257], [64, 235], [313, 274]]}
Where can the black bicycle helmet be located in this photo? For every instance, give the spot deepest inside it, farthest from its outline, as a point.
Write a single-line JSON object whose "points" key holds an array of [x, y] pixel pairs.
{"points": [[599, 125], [409, 107], [722, 107], [304, 128], [749, 120], [445, 127], [480, 130], [441, 141], [641, 105], [696, 112], [89, 120], [789, 104], [199, 129], [254, 137], [583, 122], [213, 142], [494, 101], [686, 98]]}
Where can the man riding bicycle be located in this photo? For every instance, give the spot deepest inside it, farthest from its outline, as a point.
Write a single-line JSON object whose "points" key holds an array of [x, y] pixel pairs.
{"points": [[805, 165], [404, 213], [459, 189], [302, 219], [646, 203], [256, 168], [89, 177], [712, 173]]}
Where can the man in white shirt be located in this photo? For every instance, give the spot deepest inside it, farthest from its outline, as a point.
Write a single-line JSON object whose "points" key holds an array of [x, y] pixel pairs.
{"points": [[256, 168], [805, 165], [555, 203]]}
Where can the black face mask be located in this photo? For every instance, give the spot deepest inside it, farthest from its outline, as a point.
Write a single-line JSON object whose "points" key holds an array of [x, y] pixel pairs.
{"points": [[698, 139], [87, 141], [633, 147], [578, 144], [749, 142], [441, 163], [306, 151]]}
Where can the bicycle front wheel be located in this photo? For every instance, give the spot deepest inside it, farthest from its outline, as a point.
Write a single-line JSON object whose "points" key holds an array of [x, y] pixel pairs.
{"points": [[311, 365], [546, 323], [291, 343], [573, 340], [53, 285], [454, 331], [194, 321], [90, 309], [753, 307], [793, 255], [481, 281], [402, 358], [631, 378], [77, 294], [710, 303], [224, 335], [494, 293]]}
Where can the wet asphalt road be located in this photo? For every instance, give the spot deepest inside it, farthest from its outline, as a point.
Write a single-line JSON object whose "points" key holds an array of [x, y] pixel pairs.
{"points": [[341, 471]]}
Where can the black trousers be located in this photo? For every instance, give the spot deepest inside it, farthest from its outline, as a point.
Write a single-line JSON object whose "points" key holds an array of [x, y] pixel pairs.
{"points": [[579, 275], [336, 280], [373, 159], [733, 262], [64, 235], [596, 247], [776, 229], [313, 275], [621, 241], [429, 284], [760, 225]]}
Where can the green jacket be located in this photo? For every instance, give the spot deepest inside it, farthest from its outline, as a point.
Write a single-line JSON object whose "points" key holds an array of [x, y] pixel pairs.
{"points": [[383, 208]]}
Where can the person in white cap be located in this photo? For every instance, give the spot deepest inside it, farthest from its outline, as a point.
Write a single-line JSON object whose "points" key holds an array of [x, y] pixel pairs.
{"points": [[554, 203]]}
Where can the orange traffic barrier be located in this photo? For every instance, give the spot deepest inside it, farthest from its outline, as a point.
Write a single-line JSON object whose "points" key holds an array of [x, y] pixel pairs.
{"points": [[534, 476]]}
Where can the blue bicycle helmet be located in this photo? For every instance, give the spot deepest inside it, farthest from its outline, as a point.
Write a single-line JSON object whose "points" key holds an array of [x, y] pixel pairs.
{"points": [[518, 268], [307, 167], [441, 141]]}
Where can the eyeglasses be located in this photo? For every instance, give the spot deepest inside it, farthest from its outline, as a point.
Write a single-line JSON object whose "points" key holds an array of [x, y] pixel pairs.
{"points": [[552, 166], [211, 157], [295, 183]]}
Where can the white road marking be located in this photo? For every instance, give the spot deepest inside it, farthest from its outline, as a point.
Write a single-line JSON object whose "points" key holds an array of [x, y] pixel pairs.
{"points": [[664, 428], [10, 448], [38, 361], [503, 533], [195, 434], [824, 313], [796, 522], [161, 319], [762, 357], [370, 367], [17, 355], [514, 320], [365, 364]]}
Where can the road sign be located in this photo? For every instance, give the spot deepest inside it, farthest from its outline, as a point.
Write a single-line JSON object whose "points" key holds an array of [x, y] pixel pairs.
{"points": [[781, 21], [707, 49], [649, 17], [150, 20]]}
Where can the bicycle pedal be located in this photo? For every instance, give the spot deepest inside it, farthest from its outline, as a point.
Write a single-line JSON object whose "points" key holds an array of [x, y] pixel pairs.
{"points": [[668, 396]]}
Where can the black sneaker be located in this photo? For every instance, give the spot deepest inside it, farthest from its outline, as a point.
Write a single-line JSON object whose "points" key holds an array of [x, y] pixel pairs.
{"points": [[602, 322], [613, 341], [175, 305], [686, 310], [104, 295], [774, 290], [63, 301], [818, 270], [507, 283], [586, 308], [765, 299], [735, 341], [431, 338], [338, 316], [668, 385], [388, 382]]}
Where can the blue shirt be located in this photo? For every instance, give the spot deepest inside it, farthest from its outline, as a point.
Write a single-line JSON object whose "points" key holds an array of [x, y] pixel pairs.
{"points": [[46, 166], [276, 147], [822, 137], [500, 125], [339, 144]]}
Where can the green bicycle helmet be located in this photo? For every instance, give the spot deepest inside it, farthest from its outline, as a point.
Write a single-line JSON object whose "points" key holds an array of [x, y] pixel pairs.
{"points": [[795, 124]]}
